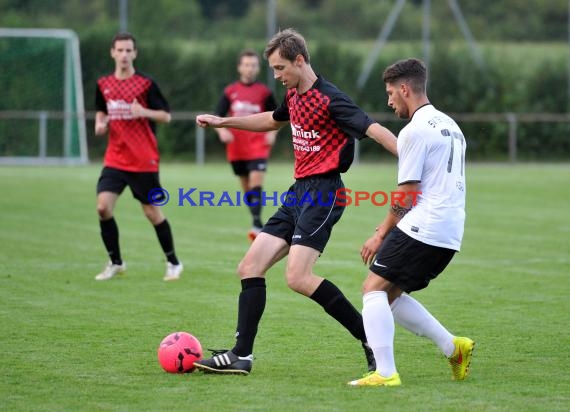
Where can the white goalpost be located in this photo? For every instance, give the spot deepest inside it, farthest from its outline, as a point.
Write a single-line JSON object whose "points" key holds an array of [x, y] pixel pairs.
{"points": [[42, 114]]}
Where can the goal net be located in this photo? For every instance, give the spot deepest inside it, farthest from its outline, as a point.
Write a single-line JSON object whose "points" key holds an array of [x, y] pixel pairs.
{"points": [[42, 115]]}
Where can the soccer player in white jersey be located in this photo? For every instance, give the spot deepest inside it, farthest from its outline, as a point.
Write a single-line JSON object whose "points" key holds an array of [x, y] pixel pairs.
{"points": [[415, 241]]}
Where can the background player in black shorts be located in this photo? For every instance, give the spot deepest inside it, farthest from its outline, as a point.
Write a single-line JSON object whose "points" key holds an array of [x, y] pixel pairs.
{"points": [[128, 103], [414, 243], [248, 151], [324, 123]]}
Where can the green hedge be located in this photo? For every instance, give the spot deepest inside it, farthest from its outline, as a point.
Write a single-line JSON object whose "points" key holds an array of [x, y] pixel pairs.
{"points": [[192, 78]]}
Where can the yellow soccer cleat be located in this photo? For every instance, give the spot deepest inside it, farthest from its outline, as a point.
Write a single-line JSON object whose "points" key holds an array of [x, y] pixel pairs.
{"points": [[375, 379], [461, 358]]}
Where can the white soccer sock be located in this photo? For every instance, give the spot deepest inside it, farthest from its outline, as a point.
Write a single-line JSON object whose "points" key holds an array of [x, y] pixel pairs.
{"points": [[413, 316], [379, 327]]}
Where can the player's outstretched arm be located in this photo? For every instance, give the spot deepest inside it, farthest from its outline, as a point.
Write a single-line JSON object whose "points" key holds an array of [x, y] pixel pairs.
{"points": [[383, 136], [259, 122]]}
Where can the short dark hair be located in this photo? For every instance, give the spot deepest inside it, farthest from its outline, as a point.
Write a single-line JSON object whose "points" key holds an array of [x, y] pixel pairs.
{"points": [[123, 36], [247, 53], [290, 44], [412, 71]]}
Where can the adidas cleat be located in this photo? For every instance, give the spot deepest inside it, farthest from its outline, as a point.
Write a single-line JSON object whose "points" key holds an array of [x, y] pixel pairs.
{"points": [[225, 362]]}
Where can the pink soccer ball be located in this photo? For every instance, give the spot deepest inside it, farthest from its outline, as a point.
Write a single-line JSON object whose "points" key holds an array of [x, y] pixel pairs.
{"points": [[178, 351]]}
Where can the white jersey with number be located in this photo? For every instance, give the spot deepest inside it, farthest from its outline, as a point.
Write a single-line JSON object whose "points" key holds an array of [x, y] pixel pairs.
{"points": [[431, 151]]}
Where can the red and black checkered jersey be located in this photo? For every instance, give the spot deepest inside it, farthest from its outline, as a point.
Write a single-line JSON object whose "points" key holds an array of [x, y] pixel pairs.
{"points": [[132, 142], [324, 124], [240, 99]]}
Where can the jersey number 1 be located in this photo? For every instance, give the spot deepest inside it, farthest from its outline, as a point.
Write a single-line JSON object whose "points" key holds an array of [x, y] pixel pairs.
{"points": [[452, 137]]}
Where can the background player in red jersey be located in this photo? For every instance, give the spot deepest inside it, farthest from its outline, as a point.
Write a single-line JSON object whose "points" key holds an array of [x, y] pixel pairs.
{"points": [[324, 122], [128, 104], [248, 151]]}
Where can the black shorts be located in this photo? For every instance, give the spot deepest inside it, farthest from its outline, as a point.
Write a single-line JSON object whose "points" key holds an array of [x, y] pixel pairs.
{"points": [[244, 167], [309, 212], [141, 183], [409, 263]]}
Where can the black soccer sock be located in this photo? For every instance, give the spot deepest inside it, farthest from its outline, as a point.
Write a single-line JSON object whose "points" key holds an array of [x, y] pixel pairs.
{"points": [[110, 236], [250, 309], [337, 305], [166, 242], [254, 199]]}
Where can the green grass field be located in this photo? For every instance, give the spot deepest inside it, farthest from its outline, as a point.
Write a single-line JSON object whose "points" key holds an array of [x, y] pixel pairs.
{"points": [[69, 343]]}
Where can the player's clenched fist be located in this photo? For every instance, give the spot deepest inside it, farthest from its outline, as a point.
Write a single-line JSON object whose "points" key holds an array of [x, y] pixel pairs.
{"points": [[208, 120]]}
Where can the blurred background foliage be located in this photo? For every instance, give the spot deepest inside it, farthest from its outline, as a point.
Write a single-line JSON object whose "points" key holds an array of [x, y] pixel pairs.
{"points": [[190, 47]]}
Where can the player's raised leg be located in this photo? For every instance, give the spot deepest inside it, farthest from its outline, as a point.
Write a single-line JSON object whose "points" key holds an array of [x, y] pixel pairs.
{"points": [[413, 316], [301, 279]]}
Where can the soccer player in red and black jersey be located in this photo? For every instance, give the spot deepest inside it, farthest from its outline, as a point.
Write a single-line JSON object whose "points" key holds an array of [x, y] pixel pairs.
{"points": [[324, 123], [128, 105], [248, 151]]}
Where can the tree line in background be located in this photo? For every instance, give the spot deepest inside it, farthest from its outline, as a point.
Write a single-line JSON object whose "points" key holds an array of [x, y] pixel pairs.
{"points": [[489, 20]]}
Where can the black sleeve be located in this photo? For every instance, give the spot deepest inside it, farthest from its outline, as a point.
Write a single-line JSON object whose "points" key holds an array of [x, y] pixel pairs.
{"points": [[281, 113], [100, 104], [156, 100], [349, 117], [223, 106], [270, 103]]}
